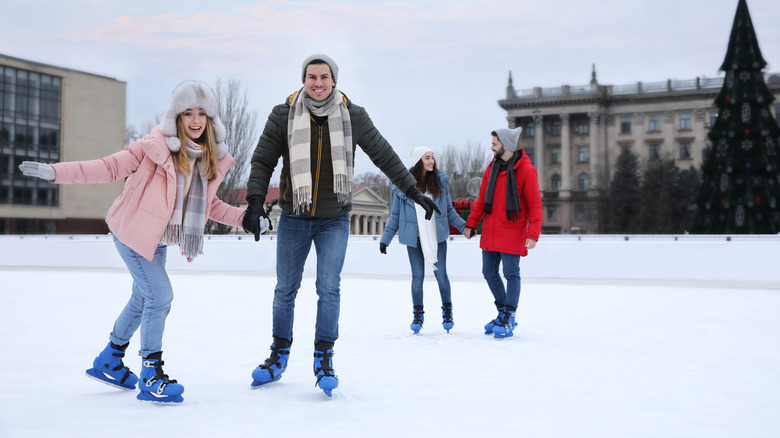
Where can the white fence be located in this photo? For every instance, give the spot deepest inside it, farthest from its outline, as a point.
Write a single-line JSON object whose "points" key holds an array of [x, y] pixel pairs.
{"points": [[703, 260]]}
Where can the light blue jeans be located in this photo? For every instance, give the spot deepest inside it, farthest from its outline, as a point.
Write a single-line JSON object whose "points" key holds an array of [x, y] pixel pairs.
{"points": [[294, 239], [149, 303], [509, 295], [417, 262]]}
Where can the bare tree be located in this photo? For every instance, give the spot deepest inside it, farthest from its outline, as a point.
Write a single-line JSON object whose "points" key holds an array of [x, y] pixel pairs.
{"points": [[241, 124], [462, 165], [377, 181], [133, 133]]}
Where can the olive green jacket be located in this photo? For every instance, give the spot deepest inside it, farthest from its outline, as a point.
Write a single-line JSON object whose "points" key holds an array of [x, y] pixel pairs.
{"points": [[325, 204]]}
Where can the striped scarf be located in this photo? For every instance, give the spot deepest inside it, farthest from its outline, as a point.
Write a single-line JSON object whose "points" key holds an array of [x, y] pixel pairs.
{"points": [[299, 142], [189, 215]]}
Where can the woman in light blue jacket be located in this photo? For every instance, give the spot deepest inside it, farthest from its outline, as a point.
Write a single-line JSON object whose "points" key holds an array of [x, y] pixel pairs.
{"points": [[426, 241]]}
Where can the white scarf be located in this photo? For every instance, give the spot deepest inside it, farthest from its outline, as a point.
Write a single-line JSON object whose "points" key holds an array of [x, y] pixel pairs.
{"points": [[428, 239], [299, 142]]}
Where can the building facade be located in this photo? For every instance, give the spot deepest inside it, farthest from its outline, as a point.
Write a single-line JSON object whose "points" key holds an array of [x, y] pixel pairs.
{"points": [[574, 134], [51, 114]]}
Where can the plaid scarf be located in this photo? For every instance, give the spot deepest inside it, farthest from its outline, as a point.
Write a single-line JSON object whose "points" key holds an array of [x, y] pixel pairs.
{"points": [[512, 197], [189, 215], [299, 142]]}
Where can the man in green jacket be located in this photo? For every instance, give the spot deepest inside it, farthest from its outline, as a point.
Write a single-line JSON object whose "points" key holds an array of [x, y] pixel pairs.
{"points": [[315, 132]]}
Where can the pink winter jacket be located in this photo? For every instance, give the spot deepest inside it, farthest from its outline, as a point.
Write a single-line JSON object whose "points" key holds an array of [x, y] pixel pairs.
{"points": [[140, 214]]}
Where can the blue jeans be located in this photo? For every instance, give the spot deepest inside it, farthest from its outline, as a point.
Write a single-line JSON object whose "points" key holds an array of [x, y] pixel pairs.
{"points": [[149, 303], [417, 261], [294, 239], [511, 268]]}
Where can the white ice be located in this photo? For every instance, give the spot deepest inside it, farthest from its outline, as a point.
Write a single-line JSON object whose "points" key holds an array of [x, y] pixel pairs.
{"points": [[590, 358]]}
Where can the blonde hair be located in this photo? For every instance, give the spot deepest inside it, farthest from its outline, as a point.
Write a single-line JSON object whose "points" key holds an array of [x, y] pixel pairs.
{"points": [[208, 146]]}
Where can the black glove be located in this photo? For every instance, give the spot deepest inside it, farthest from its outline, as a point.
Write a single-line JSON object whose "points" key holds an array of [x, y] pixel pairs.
{"points": [[256, 219], [425, 202], [382, 248], [470, 232]]}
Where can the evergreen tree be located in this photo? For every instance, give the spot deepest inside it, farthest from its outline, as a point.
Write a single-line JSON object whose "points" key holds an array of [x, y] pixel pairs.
{"points": [[665, 198], [741, 183], [624, 194]]}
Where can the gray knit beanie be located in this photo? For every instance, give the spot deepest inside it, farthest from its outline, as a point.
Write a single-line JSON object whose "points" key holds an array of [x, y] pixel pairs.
{"points": [[509, 137], [334, 69]]}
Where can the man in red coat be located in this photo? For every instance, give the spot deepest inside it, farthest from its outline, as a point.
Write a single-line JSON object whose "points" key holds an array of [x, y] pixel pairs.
{"points": [[511, 206]]}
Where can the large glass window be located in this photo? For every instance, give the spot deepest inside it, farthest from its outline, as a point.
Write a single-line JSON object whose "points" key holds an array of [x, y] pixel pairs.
{"points": [[655, 124], [530, 129], [30, 126], [555, 155], [685, 122], [556, 182], [685, 150], [655, 151], [552, 212], [625, 125], [583, 154], [583, 182], [555, 128]]}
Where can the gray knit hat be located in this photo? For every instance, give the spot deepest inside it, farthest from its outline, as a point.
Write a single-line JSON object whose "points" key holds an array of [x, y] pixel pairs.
{"points": [[509, 137], [334, 69], [193, 94]]}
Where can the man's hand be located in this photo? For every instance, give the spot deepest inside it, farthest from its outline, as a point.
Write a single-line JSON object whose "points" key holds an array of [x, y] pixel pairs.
{"points": [[530, 243], [256, 219], [469, 232], [425, 202]]}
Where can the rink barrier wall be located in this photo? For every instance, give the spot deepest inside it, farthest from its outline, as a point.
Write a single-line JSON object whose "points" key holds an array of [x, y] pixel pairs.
{"points": [[731, 260]]}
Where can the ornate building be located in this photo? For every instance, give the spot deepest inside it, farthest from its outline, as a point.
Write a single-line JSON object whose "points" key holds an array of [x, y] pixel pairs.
{"points": [[573, 135]]}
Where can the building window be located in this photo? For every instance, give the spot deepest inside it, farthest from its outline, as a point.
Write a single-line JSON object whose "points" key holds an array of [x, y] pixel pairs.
{"points": [[655, 151], [582, 126], [530, 129], [531, 152], [583, 182], [555, 128], [30, 117], [580, 213], [655, 124], [583, 154], [685, 122], [552, 212], [713, 118], [685, 151], [555, 155], [556, 182], [625, 125]]}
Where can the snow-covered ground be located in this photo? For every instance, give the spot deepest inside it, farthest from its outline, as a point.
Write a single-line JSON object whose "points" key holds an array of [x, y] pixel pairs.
{"points": [[646, 356]]}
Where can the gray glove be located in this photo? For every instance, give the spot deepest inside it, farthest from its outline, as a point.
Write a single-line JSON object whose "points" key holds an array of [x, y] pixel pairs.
{"points": [[39, 170]]}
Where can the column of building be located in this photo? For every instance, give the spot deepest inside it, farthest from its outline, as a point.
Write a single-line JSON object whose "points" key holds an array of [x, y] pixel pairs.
{"points": [[539, 153], [565, 153], [593, 130]]}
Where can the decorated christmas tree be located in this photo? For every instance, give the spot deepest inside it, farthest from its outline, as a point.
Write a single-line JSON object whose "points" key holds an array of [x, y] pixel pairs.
{"points": [[741, 179]]}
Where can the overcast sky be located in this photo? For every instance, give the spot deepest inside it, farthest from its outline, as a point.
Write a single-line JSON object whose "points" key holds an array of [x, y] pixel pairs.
{"points": [[429, 72]]}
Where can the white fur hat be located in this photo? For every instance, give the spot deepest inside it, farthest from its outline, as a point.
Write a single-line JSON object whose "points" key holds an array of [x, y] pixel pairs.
{"points": [[417, 153], [193, 94]]}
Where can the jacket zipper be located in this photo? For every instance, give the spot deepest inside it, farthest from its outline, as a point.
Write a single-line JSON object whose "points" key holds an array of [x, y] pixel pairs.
{"points": [[317, 173]]}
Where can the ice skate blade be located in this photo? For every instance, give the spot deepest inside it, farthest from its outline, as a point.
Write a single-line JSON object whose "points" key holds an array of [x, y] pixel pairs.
{"points": [[102, 378], [149, 397]]}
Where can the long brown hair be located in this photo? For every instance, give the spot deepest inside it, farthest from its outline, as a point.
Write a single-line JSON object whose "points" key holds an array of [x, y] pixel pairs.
{"points": [[208, 145], [427, 182]]}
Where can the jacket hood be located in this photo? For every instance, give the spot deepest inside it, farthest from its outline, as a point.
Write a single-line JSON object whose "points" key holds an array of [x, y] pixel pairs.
{"points": [[192, 94]]}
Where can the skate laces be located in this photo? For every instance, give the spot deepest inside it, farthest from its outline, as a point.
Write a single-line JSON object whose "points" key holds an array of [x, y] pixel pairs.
{"points": [[418, 316], [325, 365], [447, 313], [276, 354], [159, 375]]}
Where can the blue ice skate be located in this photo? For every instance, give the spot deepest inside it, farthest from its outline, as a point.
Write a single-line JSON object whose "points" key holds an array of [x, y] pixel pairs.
{"points": [[108, 368], [505, 328], [273, 367], [155, 386], [489, 326], [323, 367], [419, 317], [446, 316]]}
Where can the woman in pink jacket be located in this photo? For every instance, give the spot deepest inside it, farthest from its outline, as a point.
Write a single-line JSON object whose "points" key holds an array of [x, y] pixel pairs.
{"points": [[172, 178]]}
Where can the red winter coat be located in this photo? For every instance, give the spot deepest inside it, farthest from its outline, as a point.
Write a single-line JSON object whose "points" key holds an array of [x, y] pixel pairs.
{"points": [[499, 233]]}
